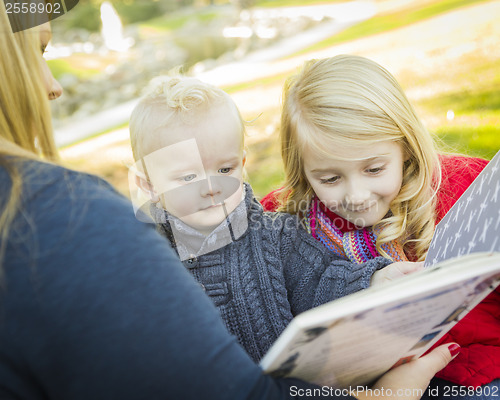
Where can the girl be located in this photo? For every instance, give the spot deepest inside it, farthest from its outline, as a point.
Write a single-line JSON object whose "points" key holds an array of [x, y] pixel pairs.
{"points": [[363, 173]]}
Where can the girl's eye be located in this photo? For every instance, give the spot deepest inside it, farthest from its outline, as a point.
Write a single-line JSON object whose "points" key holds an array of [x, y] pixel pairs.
{"points": [[188, 178], [43, 48], [226, 170], [331, 180], [375, 170]]}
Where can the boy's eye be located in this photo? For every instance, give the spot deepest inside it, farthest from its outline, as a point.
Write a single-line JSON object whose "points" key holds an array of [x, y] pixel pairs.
{"points": [[333, 179], [226, 170], [188, 178]]}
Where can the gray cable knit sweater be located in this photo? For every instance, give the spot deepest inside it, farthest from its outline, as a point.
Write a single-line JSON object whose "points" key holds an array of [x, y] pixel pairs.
{"points": [[269, 273]]}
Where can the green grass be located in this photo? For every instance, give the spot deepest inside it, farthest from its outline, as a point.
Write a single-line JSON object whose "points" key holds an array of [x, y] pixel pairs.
{"points": [[387, 22], [264, 167], [174, 22], [480, 141], [267, 177], [475, 102], [485, 100], [63, 66]]}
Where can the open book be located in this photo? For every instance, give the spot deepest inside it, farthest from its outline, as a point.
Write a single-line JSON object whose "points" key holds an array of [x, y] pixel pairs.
{"points": [[354, 340]]}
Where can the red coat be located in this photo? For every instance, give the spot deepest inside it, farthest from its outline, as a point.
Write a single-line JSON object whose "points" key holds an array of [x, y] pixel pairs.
{"points": [[479, 332]]}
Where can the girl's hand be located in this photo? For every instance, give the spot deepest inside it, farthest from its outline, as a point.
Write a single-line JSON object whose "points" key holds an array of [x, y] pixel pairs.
{"points": [[410, 381], [395, 271]]}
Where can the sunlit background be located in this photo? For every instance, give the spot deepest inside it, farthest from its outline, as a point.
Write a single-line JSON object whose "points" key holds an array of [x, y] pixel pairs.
{"points": [[445, 53]]}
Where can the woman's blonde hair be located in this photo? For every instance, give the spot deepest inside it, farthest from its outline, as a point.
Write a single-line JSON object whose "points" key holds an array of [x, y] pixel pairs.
{"points": [[353, 101], [25, 121]]}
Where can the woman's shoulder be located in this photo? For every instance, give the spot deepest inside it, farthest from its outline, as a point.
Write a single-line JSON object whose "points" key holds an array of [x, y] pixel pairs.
{"points": [[73, 219], [41, 177], [64, 204]]}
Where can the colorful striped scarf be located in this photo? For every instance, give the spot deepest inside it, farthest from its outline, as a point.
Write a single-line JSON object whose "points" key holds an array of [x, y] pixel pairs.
{"points": [[357, 245]]}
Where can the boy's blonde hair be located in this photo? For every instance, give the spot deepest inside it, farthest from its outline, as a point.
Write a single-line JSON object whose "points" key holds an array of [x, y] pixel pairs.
{"points": [[25, 120], [169, 100], [353, 101]]}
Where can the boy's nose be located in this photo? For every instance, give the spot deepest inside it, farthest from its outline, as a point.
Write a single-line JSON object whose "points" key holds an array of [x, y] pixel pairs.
{"points": [[210, 188]]}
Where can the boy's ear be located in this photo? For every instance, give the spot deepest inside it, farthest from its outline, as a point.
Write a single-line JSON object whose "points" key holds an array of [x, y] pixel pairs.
{"points": [[147, 188]]}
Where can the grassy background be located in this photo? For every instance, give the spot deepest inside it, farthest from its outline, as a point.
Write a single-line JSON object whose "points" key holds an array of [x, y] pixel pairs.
{"points": [[170, 23], [467, 84]]}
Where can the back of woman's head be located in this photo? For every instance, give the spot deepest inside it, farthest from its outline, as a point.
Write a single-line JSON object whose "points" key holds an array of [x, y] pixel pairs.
{"points": [[353, 102], [25, 122]]}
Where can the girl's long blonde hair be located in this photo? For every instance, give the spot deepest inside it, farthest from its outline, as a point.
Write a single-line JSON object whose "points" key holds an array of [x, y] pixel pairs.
{"points": [[25, 121], [352, 101]]}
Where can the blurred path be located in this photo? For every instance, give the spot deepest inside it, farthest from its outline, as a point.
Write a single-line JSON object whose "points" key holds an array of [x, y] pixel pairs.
{"points": [[260, 63]]}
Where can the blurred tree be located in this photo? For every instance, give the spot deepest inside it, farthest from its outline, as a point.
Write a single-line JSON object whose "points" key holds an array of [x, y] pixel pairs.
{"points": [[86, 14]]}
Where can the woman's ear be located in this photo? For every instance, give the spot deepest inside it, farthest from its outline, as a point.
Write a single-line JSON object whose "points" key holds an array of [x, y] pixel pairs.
{"points": [[147, 188]]}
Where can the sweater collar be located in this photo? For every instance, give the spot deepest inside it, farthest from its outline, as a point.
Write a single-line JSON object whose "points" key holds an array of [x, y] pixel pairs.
{"points": [[190, 243]]}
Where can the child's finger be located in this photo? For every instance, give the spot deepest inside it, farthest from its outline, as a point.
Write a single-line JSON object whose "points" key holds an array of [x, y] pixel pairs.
{"points": [[407, 267]]}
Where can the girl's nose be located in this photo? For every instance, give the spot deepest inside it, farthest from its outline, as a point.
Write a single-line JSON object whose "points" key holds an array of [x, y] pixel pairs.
{"points": [[356, 195]]}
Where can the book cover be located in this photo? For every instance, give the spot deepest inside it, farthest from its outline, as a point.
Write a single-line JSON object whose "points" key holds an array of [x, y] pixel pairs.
{"points": [[473, 224]]}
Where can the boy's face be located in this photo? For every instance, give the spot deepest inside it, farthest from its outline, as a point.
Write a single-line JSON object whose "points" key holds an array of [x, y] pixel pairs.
{"points": [[197, 171]]}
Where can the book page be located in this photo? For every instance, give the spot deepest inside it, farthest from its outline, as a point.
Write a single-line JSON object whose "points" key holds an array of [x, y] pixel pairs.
{"points": [[473, 223]]}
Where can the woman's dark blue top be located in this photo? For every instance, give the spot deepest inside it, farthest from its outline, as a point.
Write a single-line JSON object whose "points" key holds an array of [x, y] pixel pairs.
{"points": [[95, 305]]}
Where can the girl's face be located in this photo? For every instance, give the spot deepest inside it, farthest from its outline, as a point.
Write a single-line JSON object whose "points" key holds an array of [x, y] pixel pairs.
{"points": [[361, 189]]}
